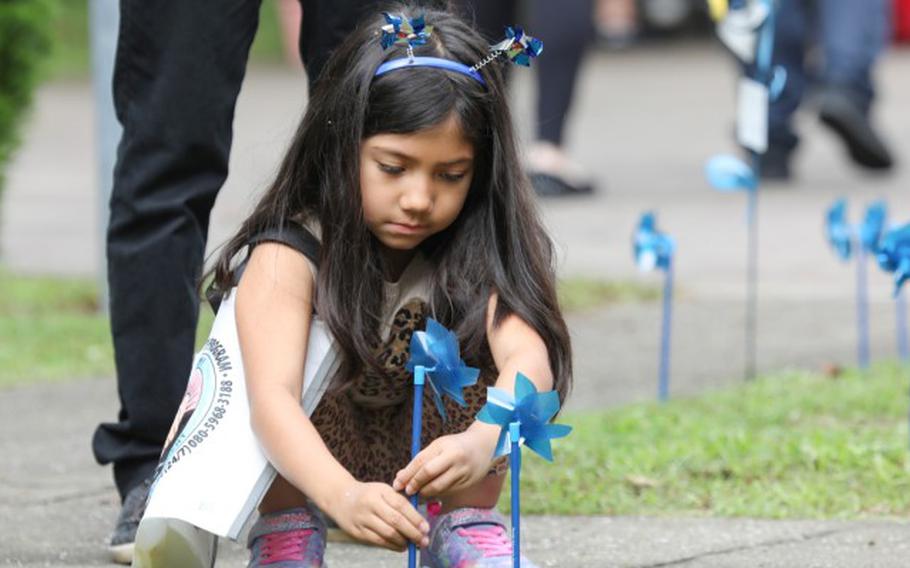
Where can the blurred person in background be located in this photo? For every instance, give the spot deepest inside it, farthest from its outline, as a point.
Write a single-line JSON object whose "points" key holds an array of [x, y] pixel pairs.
{"points": [[843, 39], [567, 29], [616, 22]]}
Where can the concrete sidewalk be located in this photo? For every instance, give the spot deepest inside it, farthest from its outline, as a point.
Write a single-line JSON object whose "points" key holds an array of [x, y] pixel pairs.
{"points": [[57, 506]]}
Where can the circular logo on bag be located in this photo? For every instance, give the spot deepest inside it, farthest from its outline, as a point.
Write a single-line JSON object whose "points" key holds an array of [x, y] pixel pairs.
{"points": [[204, 405]]}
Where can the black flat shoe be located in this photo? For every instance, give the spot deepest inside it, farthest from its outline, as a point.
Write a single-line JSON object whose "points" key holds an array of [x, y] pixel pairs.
{"points": [[839, 112], [548, 185]]}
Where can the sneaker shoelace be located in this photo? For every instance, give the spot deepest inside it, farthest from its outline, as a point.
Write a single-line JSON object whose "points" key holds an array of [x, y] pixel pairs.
{"points": [[490, 540], [285, 546]]}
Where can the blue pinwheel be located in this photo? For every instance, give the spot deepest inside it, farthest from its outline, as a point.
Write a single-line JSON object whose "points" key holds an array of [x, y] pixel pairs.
{"points": [[518, 46], [847, 239], [434, 352], [839, 232], [524, 419], [870, 231], [748, 29], [894, 255], [400, 30], [654, 250]]}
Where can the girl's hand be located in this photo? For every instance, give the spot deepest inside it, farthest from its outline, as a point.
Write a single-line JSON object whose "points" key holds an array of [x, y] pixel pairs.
{"points": [[449, 463], [377, 514]]}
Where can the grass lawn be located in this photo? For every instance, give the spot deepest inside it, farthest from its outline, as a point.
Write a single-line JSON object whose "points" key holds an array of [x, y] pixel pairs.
{"points": [[70, 55], [51, 328], [794, 445]]}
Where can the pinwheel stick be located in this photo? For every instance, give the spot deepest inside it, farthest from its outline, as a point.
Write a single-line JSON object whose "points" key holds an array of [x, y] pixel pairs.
{"points": [[862, 311], [900, 306], [763, 65], [663, 388], [420, 375], [515, 466]]}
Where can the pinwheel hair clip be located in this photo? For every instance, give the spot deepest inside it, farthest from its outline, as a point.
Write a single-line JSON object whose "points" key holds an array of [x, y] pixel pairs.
{"points": [[407, 32], [517, 47]]}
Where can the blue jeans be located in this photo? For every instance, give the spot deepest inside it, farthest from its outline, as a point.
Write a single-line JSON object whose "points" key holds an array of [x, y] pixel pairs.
{"points": [[849, 35]]}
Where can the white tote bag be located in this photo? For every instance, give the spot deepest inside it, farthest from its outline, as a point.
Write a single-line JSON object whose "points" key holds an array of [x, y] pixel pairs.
{"points": [[213, 472]]}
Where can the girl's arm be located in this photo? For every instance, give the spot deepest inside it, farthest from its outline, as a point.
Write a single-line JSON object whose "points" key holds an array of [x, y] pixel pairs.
{"points": [[274, 307], [452, 463]]}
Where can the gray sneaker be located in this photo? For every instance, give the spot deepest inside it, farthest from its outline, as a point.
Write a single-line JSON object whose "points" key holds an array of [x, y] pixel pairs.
{"points": [[121, 546]]}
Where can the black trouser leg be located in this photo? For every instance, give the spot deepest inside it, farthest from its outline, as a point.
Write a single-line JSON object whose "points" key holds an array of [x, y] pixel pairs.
{"points": [[326, 23], [565, 28], [179, 67]]}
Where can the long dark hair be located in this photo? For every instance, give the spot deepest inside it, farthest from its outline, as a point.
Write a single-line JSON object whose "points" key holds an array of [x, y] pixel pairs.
{"points": [[496, 245]]}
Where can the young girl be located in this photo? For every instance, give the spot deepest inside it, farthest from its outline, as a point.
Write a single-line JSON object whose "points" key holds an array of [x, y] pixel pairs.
{"points": [[410, 178]]}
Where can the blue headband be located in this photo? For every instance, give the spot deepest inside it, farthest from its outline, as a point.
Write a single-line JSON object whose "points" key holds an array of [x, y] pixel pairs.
{"points": [[437, 62]]}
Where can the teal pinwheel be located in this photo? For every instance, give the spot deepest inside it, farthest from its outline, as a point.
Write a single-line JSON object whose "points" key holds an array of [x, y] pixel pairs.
{"points": [[434, 354], [408, 32], [518, 46], [532, 410], [870, 232], [838, 230], [524, 419], [652, 249], [436, 350], [894, 255]]}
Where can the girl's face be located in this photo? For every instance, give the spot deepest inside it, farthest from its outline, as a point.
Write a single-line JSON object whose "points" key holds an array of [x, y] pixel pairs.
{"points": [[413, 186]]}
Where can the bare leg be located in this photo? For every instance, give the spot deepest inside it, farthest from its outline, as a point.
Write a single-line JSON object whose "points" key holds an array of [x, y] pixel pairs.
{"points": [[484, 495], [281, 496]]}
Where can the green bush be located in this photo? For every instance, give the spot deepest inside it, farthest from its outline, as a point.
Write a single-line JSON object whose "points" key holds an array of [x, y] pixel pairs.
{"points": [[25, 40]]}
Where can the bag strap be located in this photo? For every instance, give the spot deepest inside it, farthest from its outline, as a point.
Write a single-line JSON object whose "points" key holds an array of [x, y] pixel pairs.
{"points": [[291, 234]]}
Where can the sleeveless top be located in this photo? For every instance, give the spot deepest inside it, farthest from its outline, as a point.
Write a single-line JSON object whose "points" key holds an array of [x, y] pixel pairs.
{"points": [[367, 424]]}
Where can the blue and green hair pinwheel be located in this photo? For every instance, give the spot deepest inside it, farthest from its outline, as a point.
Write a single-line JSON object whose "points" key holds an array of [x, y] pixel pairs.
{"points": [[436, 349], [531, 409], [400, 30], [894, 255], [519, 47]]}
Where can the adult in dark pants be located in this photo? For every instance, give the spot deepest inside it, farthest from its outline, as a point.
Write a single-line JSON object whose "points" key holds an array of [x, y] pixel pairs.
{"points": [[178, 71], [850, 35], [566, 28]]}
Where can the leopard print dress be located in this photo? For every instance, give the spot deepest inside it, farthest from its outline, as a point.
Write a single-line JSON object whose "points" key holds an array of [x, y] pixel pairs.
{"points": [[368, 426]]}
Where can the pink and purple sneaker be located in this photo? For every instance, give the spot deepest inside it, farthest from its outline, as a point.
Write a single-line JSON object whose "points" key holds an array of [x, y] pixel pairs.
{"points": [[294, 538], [468, 538]]}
